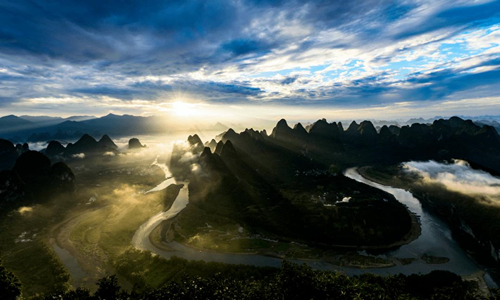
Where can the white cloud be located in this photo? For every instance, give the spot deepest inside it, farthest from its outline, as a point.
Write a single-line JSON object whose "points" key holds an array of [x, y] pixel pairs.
{"points": [[79, 155], [458, 177]]}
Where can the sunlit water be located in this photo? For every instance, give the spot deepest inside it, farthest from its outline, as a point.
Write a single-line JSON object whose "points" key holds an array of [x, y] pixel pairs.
{"points": [[168, 177], [141, 236], [435, 240], [71, 264]]}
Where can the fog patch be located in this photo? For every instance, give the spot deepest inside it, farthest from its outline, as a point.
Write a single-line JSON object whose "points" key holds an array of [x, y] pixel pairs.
{"points": [[79, 155], [195, 168], [25, 209], [187, 157], [37, 146], [457, 176]]}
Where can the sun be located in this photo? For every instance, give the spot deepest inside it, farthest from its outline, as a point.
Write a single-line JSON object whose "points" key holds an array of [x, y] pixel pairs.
{"points": [[183, 109]]}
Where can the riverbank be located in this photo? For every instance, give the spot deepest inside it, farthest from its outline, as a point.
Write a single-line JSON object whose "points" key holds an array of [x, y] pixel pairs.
{"points": [[388, 178], [365, 172], [345, 255], [85, 259]]}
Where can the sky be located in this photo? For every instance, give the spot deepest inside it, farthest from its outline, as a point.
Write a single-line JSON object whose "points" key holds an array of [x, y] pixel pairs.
{"points": [[264, 58]]}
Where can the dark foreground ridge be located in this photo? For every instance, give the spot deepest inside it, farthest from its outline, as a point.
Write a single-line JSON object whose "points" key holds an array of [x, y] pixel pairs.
{"points": [[290, 282]]}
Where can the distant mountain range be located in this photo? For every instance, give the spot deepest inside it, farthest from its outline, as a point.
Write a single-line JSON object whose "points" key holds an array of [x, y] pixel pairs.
{"points": [[43, 129], [20, 129], [12, 123], [493, 121]]}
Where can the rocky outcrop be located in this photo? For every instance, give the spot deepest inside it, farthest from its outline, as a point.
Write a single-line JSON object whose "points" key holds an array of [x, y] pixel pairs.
{"points": [[230, 135], [218, 148], [106, 144], [6, 147], [32, 166], [228, 151], [366, 129], [134, 143], [62, 178], [34, 180], [11, 188], [86, 144], [386, 133], [212, 163], [323, 129], [55, 149], [196, 144], [394, 129], [9, 153], [352, 130], [283, 132], [212, 145]]}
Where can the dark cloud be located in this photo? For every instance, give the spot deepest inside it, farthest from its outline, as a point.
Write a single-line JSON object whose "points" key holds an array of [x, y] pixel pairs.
{"points": [[289, 80], [244, 46], [458, 17]]}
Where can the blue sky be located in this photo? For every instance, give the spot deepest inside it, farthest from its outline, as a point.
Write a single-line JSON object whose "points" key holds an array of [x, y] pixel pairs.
{"points": [[370, 57]]}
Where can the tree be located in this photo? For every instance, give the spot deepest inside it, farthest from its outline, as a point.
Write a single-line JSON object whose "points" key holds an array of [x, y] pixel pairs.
{"points": [[108, 288], [10, 286]]}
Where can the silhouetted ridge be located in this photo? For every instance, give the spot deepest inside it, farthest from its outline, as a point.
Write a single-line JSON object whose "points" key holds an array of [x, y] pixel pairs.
{"points": [[229, 135], [206, 152], [55, 148], [212, 145], [299, 129], [218, 148], [341, 127], [9, 153], [254, 133], [282, 131], [282, 124], [196, 143], [212, 163], [322, 128], [228, 150], [367, 129], [394, 129], [455, 121], [85, 144], [352, 129], [488, 136], [194, 139], [385, 132], [86, 139]]}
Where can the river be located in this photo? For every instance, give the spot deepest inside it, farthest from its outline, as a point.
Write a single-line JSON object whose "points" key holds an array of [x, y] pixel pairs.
{"points": [[435, 240]]}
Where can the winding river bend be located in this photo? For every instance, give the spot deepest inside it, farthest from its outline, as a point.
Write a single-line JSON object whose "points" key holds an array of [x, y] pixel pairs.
{"points": [[435, 240]]}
